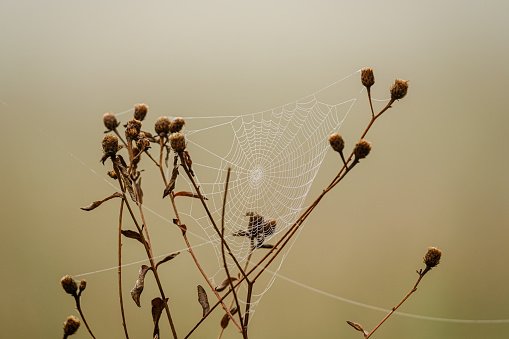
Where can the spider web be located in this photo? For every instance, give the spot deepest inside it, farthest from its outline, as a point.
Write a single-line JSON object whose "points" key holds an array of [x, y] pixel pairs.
{"points": [[274, 156]]}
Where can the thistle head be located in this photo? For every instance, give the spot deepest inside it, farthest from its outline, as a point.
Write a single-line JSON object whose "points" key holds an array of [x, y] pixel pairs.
{"points": [[337, 143], [140, 111], [362, 149], [178, 142], [367, 77], [399, 89], [110, 121], [162, 126], [69, 284]]}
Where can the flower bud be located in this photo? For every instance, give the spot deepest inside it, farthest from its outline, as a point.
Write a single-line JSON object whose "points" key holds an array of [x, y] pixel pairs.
{"points": [[337, 143], [432, 257], [162, 126], [83, 285], [367, 77], [110, 144], [399, 89], [176, 125], [71, 326], [133, 128], [362, 149], [140, 111], [178, 142], [110, 121], [69, 285]]}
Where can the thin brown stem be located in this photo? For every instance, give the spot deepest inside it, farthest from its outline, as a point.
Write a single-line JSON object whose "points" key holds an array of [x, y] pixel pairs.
{"points": [[223, 242], [78, 307], [197, 189], [120, 269], [421, 275], [148, 249], [189, 247]]}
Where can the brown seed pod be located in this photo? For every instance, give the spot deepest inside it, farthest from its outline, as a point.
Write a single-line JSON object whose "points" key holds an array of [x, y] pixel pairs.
{"points": [[110, 121], [432, 257], [133, 128], [178, 142], [140, 111], [362, 149], [69, 284], [162, 126], [110, 144], [399, 89], [71, 325], [176, 125], [367, 77], [337, 143]]}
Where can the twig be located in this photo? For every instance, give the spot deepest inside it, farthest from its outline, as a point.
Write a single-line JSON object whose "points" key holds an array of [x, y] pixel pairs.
{"points": [[223, 241], [120, 268]]}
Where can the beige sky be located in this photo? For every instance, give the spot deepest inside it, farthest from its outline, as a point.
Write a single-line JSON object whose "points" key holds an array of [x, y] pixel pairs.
{"points": [[437, 175]]}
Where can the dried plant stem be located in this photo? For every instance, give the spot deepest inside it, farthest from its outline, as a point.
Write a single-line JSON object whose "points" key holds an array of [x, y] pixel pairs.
{"points": [[421, 275], [197, 189], [223, 242], [148, 250], [189, 247], [78, 307], [370, 102], [124, 325]]}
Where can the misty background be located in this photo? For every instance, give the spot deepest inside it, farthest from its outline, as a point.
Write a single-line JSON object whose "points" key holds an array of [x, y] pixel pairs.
{"points": [[437, 175]]}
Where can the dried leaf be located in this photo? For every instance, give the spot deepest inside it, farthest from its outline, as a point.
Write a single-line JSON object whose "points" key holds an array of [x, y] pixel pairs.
{"points": [[224, 284], [119, 161], [203, 300], [138, 287], [96, 204], [189, 194], [139, 191], [132, 235], [358, 327], [171, 185], [241, 233], [266, 246], [188, 161], [226, 318], [167, 258], [157, 309]]}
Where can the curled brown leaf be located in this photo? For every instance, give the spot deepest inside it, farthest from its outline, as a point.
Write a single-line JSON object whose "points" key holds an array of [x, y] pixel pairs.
{"points": [[224, 284], [203, 300], [140, 283], [98, 203], [167, 258]]}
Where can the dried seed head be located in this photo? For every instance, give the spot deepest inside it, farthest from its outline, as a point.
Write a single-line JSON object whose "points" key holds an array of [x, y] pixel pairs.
{"points": [[69, 284], [176, 125], [337, 143], [162, 126], [362, 149], [83, 285], [110, 121], [269, 226], [143, 143], [432, 257], [367, 77], [112, 174], [133, 128], [399, 89], [178, 142], [71, 325], [140, 111], [110, 144]]}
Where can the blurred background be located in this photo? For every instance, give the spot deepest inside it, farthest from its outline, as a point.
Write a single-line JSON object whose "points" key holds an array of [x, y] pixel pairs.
{"points": [[437, 175]]}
